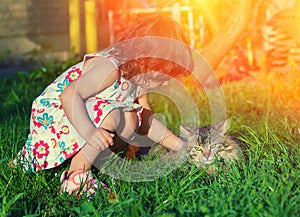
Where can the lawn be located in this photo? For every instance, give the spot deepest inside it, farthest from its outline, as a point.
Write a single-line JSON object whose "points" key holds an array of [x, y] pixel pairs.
{"points": [[264, 113]]}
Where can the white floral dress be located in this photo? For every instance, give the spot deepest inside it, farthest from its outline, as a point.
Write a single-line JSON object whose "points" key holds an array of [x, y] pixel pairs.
{"points": [[52, 138]]}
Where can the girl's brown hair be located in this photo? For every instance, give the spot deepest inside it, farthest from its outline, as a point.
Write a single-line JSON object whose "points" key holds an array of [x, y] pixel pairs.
{"points": [[155, 34]]}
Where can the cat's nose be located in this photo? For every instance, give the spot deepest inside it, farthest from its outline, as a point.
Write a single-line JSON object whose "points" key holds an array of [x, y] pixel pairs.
{"points": [[206, 154]]}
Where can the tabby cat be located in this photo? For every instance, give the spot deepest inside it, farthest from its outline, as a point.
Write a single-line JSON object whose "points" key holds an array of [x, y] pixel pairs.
{"points": [[210, 145]]}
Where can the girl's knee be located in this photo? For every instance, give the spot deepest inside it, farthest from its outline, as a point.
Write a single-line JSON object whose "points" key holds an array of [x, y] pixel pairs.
{"points": [[132, 118], [125, 123]]}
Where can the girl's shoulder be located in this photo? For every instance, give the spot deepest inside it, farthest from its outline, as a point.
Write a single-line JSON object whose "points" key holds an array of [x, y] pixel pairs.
{"points": [[102, 54]]}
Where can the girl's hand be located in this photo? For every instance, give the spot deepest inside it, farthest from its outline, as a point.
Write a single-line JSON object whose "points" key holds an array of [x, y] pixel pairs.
{"points": [[100, 139]]}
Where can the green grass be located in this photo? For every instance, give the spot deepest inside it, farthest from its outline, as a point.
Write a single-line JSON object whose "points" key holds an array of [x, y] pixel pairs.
{"points": [[264, 114]]}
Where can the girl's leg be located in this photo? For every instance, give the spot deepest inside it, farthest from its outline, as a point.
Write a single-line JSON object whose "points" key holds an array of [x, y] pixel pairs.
{"points": [[123, 123]]}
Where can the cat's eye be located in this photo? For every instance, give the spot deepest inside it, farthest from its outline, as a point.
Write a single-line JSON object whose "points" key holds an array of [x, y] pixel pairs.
{"points": [[198, 148]]}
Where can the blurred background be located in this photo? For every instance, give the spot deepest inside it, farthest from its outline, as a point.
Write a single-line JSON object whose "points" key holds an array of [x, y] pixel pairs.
{"points": [[238, 36]]}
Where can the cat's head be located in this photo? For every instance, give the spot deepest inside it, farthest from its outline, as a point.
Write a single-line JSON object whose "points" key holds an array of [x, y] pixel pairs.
{"points": [[209, 142]]}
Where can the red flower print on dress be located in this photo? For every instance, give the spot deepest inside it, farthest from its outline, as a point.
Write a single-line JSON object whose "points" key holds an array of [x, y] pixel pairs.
{"points": [[70, 151], [54, 143], [33, 117], [57, 135], [40, 110], [52, 129], [98, 108], [64, 130], [125, 86], [24, 151], [41, 149], [55, 105], [97, 118], [37, 124], [73, 74], [100, 104], [39, 167], [34, 132], [118, 98]]}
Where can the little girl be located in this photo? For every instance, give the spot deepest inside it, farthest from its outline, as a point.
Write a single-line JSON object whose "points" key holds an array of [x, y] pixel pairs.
{"points": [[81, 112]]}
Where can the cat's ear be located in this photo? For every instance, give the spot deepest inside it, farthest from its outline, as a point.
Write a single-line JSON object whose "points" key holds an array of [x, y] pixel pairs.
{"points": [[186, 131], [221, 127]]}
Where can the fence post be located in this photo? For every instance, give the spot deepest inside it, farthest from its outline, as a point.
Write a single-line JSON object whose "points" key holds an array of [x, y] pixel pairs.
{"points": [[90, 26], [74, 25]]}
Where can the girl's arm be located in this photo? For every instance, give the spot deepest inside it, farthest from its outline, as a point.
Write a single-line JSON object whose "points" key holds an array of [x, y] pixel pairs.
{"points": [[155, 130], [98, 74]]}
